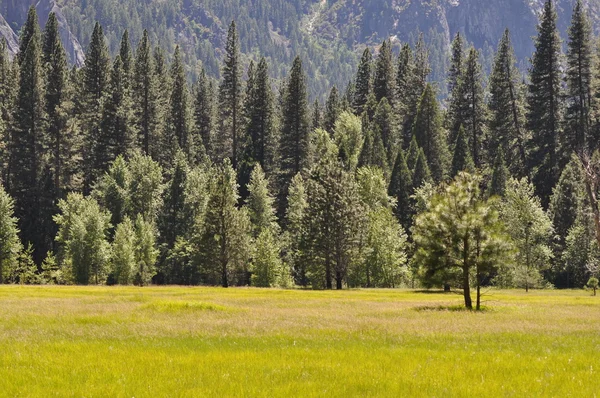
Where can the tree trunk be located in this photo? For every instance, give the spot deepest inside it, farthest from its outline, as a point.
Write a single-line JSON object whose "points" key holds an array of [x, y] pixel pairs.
{"points": [[338, 280], [466, 287], [446, 287], [328, 277]]}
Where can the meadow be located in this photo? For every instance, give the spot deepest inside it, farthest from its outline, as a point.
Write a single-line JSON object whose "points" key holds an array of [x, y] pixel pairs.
{"points": [[191, 342]]}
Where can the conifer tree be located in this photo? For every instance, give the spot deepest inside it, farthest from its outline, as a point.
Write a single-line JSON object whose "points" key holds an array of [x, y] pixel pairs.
{"points": [[457, 59], [383, 84], [116, 136], [28, 149], [363, 82], [10, 245], [400, 189], [317, 118], [578, 78], [29, 31], [507, 121], [145, 106], [405, 106], [174, 221], [413, 154], [95, 90], [7, 94], [126, 58], [422, 174], [500, 176], [294, 139], [163, 98], [203, 113], [332, 110], [383, 126], [227, 141], [261, 146], [462, 160], [474, 106], [58, 104], [179, 116], [544, 105], [422, 67], [260, 203], [428, 131], [294, 217]]}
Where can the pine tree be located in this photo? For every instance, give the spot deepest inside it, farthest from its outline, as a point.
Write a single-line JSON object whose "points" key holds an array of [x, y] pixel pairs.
{"points": [[332, 110], [317, 118], [363, 82], [400, 189], [507, 121], [10, 245], [28, 150], [126, 58], [500, 176], [421, 175], [474, 106], [544, 106], [164, 88], [457, 59], [383, 126], [260, 129], [462, 160], [383, 84], [203, 113], [294, 139], [179, 116], [29, 31], [422, 67], [95, 90], [174, 221], [412, 154], [428, 131], [145, 88], [58, 104], [404, 100], [578, 78], [116, 135], [227, 142], [7, 96], [260, 203]]}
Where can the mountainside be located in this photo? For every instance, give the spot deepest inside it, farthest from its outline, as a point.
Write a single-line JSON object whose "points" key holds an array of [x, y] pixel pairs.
{"points": [[329, 34]]}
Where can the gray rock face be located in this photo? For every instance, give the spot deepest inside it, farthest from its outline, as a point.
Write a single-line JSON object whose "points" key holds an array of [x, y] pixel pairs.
{"points": [[14, 13]]}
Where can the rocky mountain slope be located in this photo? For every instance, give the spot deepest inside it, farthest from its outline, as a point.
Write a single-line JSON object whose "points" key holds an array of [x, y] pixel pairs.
{"points": [[329, 34]]}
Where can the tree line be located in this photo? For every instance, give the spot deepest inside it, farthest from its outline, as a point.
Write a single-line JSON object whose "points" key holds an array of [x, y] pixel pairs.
{"points": [[122, 172]]}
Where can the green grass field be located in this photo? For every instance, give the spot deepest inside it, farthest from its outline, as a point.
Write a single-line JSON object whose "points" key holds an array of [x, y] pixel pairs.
{"points": [[190, 342]]}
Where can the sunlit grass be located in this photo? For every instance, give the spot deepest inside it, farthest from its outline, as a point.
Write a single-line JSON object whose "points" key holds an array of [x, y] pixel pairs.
{"points": [[177, 341]]}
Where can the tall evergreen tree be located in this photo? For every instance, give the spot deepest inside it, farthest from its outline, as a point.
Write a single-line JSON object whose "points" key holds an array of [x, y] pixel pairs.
{"points": [[294, 139], [404, 101], [7, 96], [578, 78], [10, 246], [332, 110], [95, 90], [457, 59], [400, 189], [227, 141], [260, 204], [116, 136], [28, 150], [179, 116], [428, 131], [500, 176], [383, 126], [474, 106], [204, 113], [544, 105], [422, 174], [462, 160], [145, 88], [507, 121], [58, 103], [126, 58], [363, 82], [383, 84], [29, 31]]}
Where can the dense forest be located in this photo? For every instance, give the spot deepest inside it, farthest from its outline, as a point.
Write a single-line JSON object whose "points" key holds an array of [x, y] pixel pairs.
{"points": [[122, 172]]}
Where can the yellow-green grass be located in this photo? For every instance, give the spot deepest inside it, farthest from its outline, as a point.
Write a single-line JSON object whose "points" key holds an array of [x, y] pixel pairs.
{"points": [[190, 342]]}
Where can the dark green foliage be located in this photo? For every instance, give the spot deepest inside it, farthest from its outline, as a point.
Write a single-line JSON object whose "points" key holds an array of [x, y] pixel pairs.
{"points": [[500, 176], [421, 174], [578, 77], [462, 160], [384, 129], [179, 120], [383, 84], [400, 189], [405, 104], [332, 110], [363, 82], [227, 141], [412, 154], [543, 105], [474, 107], [203, 114], [429, 133], [507, 122]]}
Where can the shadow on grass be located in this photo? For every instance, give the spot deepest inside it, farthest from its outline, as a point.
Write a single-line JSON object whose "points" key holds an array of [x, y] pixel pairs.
{"points": [[436, 291], [447, 308]]}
